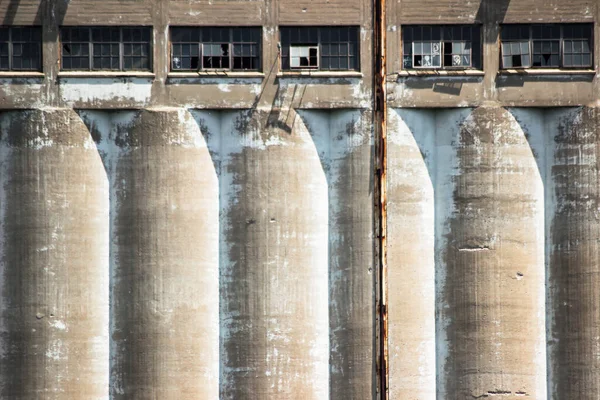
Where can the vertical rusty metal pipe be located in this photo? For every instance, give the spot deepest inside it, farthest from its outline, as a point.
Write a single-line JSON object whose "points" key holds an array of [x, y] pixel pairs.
{"points": [[380, 119]]}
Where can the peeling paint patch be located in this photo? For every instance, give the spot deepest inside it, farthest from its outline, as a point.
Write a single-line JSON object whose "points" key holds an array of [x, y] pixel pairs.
{"points": [[134, 91]]}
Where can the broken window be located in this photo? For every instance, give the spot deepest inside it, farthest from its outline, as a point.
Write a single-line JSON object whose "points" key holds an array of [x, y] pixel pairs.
{"points": [[547, 46], [106, 48], [304, 57], [440, 46], [331, 48], [214, 48], [20, 49]]}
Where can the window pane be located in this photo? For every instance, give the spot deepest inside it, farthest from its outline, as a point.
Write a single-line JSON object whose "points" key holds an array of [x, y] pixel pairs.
{"points": [[137, 45], [568, 46], [26, 48], [4, 35], [568, 60], [524, 47], [586, 60]]}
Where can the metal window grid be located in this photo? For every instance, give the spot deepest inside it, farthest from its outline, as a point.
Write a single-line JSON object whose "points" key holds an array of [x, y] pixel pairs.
{"points": [[566, 53], [428, 53], [338, 46], [456, 46], [102, 43], [457, 54], [240, 51], [22, 51]]}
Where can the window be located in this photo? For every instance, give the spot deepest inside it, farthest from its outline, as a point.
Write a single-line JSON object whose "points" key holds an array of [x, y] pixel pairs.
{"points": [[213, 48], [439, 46], [20, 49], [547, 46], [331, 48], [106, 48]]}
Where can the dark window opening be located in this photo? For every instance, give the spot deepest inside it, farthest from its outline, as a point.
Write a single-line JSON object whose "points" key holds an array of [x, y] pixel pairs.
{"points": [[20, 49], [547, 46], [214, 48], [332, 48], [106, 48], [441, 47]]}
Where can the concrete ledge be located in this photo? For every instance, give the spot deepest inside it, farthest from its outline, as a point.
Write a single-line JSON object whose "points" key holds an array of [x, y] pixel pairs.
{"points": [[21, 74], [540, 71], [429, 72], [216, 74], [320, 74], [105, 74]]}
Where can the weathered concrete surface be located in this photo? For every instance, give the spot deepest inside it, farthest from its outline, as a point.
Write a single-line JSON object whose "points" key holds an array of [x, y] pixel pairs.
{"points": [[274, 257], [574, 259], [466, 200], [164, 255], [494, 264], [411, 254], [343, 140], [53, 259]]}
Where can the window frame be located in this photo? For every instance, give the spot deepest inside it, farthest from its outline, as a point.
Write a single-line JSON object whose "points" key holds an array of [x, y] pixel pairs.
{"points": [[475, 29], [231, 44], [561, 46], [320, 41], [10, 55], [91, 56]]}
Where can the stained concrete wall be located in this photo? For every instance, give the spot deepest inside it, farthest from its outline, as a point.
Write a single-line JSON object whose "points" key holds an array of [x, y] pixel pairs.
{"points": [[215, 244], [491, 221], [54, 252], [194, 236]]}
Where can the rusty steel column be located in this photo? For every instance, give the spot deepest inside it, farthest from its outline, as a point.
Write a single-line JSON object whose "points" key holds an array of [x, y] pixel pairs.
{"points": [[54, 245], [380, 120]]}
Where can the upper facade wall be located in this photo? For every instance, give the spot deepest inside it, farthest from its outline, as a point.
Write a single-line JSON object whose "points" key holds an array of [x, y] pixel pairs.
{"points": [[192, 12], [269, 88], [463, 11], [490, 84], [420, 89]]}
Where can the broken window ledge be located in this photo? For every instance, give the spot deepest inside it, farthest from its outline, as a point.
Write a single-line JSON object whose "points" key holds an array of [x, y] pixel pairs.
{"points": [[216, 74], [540, 71], [105, 74], [440, 72], [21, 74], [320, 74]]}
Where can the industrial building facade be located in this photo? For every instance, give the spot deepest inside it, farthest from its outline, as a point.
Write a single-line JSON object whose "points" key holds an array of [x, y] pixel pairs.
{"points": [[195, 204]]}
